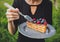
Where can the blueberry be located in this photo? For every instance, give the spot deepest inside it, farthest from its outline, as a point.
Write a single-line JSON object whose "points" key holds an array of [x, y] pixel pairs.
{"points": [[37, 20], [34, 21], [40, 19]]}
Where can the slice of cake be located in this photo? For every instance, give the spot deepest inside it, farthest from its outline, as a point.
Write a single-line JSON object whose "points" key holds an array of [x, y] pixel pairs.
{"points": [[38, 25]]}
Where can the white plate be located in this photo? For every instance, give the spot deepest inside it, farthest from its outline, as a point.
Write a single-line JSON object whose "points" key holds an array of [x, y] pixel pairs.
{"points": [[24, 30]]}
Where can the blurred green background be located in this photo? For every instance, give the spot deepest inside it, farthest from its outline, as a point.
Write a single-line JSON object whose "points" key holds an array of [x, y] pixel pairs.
{"points": [[6, 37]]}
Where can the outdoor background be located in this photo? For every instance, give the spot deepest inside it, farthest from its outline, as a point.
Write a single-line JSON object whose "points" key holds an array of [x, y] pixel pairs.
{"points": [[6, 37]]}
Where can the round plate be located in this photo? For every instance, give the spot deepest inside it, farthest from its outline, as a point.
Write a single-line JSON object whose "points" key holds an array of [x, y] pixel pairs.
{"points": [[24, 30]]}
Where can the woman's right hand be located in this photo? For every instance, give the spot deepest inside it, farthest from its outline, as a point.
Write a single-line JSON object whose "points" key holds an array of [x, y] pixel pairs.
{"points": [[12, 14]]}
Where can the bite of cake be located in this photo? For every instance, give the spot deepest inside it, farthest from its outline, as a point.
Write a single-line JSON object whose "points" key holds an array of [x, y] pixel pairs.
{"points": [[38, 25]]}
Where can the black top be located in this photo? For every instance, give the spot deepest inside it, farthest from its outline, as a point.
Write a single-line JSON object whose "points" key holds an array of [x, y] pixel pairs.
{"points": [[44, 10]]}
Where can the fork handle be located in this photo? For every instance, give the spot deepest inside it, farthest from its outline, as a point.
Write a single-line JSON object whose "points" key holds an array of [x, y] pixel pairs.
{"points": [[8, 6]]}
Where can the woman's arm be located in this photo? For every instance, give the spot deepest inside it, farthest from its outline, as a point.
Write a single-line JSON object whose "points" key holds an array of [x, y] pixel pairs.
{"points": [[12, 15], [11, 27]]}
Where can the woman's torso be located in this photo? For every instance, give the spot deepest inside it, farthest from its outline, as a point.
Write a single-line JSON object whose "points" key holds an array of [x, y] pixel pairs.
{"points": [[44, 10]]}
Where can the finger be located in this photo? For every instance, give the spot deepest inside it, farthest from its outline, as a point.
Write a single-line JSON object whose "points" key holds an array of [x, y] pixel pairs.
{"points": [[12, 16], [12, 19], [13, 10], [11, 13]]}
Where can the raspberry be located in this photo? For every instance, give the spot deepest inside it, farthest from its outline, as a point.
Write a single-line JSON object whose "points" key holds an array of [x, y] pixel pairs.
{"points": [[45, 23], [34, 19], [38, 22]]}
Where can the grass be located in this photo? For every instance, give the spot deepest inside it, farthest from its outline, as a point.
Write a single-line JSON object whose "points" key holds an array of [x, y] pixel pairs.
{"points": [[6, 37], [4, 34]]}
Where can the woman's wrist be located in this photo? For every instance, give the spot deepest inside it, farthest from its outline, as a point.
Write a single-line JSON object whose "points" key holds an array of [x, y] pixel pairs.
{"points": [[9, 21]]}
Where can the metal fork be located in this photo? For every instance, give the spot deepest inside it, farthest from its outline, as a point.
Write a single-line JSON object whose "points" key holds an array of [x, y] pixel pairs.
{"points": [[25, 16]]}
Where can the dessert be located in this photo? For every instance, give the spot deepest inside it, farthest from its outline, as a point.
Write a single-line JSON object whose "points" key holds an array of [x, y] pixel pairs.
{"points": [[38, 25]]}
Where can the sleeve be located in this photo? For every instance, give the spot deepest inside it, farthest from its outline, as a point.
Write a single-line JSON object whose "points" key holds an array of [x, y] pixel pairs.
{"points": [[16, 5], [49, 12]]}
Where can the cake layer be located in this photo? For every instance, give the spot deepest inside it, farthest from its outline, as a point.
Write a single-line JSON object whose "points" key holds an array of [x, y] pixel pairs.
{"points": [[38, 27]]}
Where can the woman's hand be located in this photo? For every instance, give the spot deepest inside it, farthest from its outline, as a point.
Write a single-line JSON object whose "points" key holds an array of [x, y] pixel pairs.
{"points": [[12, 14]]}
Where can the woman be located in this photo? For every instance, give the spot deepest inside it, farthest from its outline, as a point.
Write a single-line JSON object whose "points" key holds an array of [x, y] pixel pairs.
{"points": [[33, 8]]}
